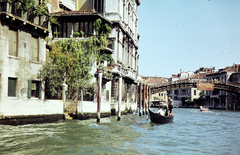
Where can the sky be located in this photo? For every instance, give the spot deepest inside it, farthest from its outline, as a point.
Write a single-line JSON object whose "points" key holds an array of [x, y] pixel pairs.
{"points": [[184, 35]]}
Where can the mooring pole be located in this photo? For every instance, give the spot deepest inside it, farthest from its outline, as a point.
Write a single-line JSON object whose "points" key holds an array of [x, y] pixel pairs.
{"points": [[64, 87], [99, 95], [144, 98], [80, 112], [119, 97], [140, 99], [149, 96]]}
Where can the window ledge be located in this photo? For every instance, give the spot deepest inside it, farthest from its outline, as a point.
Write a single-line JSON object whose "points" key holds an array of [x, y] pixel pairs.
{"points": [[13, 57], [34, 98], [36, 62], [12, 98]]}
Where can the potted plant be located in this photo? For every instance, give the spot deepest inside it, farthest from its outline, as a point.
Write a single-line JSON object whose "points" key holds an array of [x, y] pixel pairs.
{"points": [[56, 33], [82, 33], [76, 34], [90, 34]]}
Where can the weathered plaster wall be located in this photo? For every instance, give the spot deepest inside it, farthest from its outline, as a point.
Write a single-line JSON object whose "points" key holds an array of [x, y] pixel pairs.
{"points": [[22, 68]]}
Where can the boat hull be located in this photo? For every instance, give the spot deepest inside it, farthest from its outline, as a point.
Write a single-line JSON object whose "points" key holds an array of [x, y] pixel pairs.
{"points": [[204, 109], [157, 118]]}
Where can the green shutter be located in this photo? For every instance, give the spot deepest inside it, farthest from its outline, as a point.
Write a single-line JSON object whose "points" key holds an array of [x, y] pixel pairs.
{"points": [[39, 89], [29, 88], [12, 87]]}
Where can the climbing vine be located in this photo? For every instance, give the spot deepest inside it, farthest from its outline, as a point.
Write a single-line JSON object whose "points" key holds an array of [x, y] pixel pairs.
{"points": [[70, 61]]}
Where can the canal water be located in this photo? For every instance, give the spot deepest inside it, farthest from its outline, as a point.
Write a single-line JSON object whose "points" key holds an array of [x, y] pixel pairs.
{"points": [[193, 132]]}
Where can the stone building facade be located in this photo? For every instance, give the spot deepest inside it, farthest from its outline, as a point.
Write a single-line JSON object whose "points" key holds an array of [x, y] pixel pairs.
{"points": [[22, 54], [124, 18]]}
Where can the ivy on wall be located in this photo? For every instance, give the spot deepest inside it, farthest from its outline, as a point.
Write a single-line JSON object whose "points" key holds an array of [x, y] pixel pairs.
{"points": [[70, 61]]}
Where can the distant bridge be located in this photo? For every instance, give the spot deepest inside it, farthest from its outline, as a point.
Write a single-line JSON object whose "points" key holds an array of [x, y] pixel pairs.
{"points": [[221, 85]]}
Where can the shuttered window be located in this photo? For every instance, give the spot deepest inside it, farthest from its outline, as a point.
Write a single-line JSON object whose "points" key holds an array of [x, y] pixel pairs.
{"points": [[34, 49], [64, 30], [13, 42], [90, 27], [69, 29], [34, 88], [76, 27], [86, 28], [12, 87], [81, 26]]}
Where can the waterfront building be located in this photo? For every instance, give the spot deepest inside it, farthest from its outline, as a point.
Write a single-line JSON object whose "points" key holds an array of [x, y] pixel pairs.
{"points": [[123, 45], [235, 77], [124, 18], [22, 54], [220, 98]]}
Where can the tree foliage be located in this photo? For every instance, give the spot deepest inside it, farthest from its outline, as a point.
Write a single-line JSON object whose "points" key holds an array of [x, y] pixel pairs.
{"points": [[70, 61]]}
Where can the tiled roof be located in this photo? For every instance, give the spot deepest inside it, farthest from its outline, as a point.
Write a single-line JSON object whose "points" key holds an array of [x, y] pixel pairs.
{"points": [[86, 12], [154, 80], [198, 76], [230, 68]]}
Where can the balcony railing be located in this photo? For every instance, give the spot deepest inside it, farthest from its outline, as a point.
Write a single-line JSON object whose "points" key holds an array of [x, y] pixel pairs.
{"points": [[110, 46], [124, 71], [14, 10]]}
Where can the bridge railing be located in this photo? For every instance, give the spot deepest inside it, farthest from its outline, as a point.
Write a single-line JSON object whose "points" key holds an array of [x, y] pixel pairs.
{"points": [[178, 82]]}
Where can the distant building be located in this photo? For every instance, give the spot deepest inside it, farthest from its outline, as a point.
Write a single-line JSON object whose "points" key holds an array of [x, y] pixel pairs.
{"points": [[180, 96], [206, 70], [220, 98]]}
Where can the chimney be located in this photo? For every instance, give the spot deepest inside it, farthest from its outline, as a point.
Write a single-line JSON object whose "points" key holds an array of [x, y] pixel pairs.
{"points": [[236, 68]]}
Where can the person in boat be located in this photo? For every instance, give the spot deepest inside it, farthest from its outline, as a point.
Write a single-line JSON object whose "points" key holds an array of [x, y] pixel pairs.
{"points": [[170, 104], [160, 111]]}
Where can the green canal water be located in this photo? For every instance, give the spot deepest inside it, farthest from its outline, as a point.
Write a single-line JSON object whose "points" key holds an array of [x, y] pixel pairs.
{"points": [[193, 132]]}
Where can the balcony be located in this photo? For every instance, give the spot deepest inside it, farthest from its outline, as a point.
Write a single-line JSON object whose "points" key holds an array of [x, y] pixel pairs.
{"points": [[125, 72], [14, 11], [110, 46]]}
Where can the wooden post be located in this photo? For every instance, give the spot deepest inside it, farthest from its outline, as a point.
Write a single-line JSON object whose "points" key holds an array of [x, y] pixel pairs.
{"points": [[99, 95], [64, 88], [149, 96], [144, 98], [140, 99], [119, 97], [80, 112]]}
